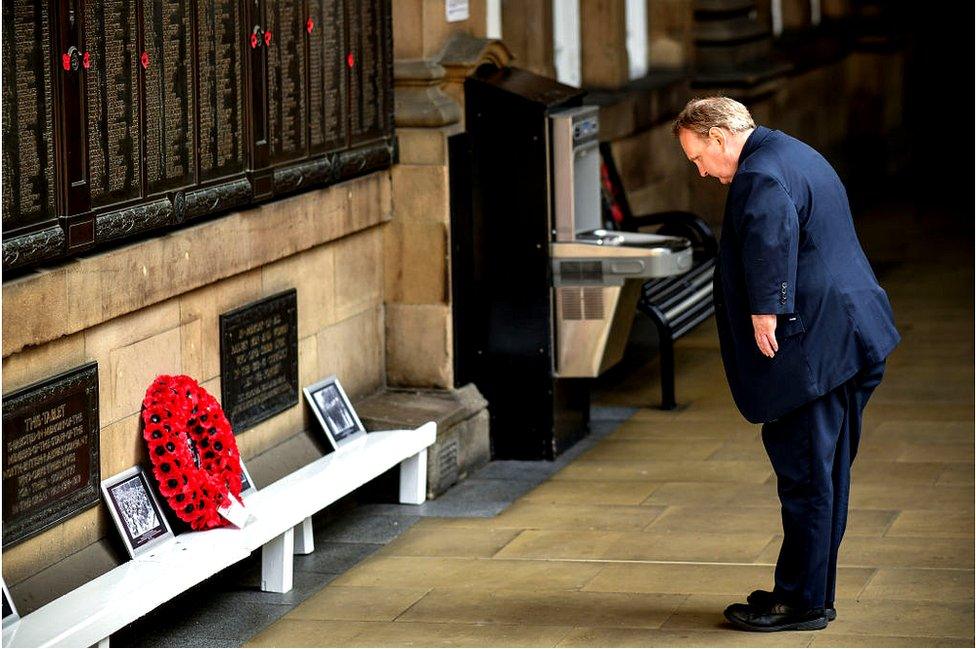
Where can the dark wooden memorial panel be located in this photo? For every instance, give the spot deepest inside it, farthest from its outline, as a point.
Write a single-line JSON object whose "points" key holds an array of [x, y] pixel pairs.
{"points": [[259, 359], [327, 69], [220, 24], [28, 121], [173, 110], [168, 80], [50, 452], [113, 102], [367, 80], [286, 79]]}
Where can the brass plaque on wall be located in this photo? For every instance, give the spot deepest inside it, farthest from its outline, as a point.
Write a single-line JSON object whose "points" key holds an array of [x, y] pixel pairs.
{"points": [[123, 117], [220, 67], [50, 452], [287, 119], [327, 70], [113, 102], [168, 78], [259, 359]]}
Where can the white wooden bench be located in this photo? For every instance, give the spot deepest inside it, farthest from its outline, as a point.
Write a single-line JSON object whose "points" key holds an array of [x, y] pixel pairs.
{"points": [[282, 527]]}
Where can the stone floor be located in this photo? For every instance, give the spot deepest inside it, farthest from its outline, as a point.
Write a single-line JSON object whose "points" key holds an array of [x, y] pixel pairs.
{"points": [[639, 536], [644, 538]]}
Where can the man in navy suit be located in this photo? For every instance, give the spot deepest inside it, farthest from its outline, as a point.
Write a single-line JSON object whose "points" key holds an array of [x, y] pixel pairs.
{"points": [[804, 330]]}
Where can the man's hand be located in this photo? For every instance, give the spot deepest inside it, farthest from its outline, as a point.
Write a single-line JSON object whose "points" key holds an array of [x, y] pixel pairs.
{"points": [[764, 327]]}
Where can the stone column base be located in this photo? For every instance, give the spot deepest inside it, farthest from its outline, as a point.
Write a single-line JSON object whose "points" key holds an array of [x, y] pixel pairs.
{"points": [[462, 445]]}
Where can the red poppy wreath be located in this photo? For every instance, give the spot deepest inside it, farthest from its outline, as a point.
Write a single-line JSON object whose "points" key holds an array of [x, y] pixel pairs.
{"points": [[193, 451]]}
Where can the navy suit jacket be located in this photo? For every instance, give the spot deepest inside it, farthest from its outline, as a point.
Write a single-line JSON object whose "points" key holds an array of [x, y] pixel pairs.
{"points": [[789, 248]]}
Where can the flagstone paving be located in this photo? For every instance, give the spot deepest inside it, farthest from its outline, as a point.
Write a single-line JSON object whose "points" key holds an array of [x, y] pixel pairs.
{"points": [[651, 531]]}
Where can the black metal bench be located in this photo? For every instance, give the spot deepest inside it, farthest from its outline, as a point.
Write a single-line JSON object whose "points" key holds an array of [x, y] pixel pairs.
{"points": [[675, 305]]}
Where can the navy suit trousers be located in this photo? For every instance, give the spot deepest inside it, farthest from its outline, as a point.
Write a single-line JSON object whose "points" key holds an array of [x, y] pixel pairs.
{"points": [[812, 449]]}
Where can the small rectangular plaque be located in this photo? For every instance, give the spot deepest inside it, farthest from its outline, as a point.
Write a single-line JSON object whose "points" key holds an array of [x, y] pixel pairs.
{"points": [[259, 359], [50, 452]]}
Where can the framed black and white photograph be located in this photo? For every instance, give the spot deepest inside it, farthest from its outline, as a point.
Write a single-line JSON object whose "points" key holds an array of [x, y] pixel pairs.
{"points": [[9, 609], [247, 483], [334, 412], [132, 502]]}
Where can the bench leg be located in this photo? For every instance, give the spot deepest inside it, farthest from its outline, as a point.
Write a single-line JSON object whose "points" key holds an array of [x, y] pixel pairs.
{"points": [[667, 373], [304, 542], [276, 563], [103, 643], [413, 479]]}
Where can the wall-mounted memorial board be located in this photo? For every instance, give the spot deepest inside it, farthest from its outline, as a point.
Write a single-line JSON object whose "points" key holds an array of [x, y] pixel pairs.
{"points": [[124, 116], [28, 124], [50, 452], [259, 359]]}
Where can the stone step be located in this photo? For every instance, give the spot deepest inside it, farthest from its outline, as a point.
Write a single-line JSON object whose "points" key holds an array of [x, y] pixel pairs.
{"points": [[462, 445]]}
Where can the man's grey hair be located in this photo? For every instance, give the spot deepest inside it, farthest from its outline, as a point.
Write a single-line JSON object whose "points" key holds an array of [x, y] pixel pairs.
{"points": [[700, 115]]}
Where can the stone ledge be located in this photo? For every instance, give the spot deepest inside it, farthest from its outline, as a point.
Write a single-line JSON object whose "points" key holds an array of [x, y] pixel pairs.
{"points": [[640, 104], [54, 302], [462, 444]]}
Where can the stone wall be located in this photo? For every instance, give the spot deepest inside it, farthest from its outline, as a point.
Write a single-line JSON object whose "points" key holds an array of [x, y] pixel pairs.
{"points": [[856, 98], [152, 308]]}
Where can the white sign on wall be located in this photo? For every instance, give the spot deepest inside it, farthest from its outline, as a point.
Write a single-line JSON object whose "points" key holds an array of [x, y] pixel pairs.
{"points": [[494, 19], [566, 42], [636, 17], [456, 10], [776, 14]]}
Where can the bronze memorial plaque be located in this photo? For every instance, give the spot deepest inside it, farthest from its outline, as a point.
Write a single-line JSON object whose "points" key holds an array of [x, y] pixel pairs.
{"points": [[219, 68], [286, 79], [327, 69], [259, 359], [28, 123], [113, 102], [125, 117], [50, 452], [368, 70], [168, 77]]}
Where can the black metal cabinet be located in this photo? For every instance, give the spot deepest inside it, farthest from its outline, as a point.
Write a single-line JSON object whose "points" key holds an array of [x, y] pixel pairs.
{"points": [[507, 316]]}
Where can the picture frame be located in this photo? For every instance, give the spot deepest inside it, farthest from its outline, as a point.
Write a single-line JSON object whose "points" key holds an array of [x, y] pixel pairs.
{"points": [[132, 502], [335, 413], [10, 614], [247, 482]]}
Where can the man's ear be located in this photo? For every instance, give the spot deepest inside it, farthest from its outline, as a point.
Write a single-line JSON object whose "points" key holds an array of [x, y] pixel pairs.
{"points": [[717, 134]]}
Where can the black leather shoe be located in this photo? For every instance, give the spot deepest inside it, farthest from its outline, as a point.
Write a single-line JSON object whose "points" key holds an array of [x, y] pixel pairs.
{"points": [[778, 617], [765, 599]]}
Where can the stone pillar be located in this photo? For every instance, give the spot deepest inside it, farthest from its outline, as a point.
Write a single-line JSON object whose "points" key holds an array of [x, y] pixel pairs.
{"points": [[429, 99], [418, 312], [732, 49], [796, 15], [764, 13], [527, 32], [670, 25], [603, 35], [417, 243], [835, 9], [462, 55], [420, 27]]}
